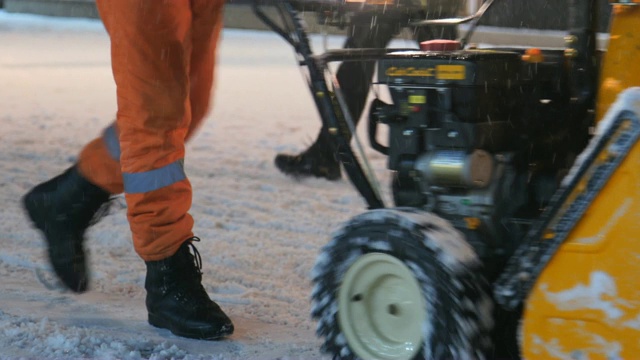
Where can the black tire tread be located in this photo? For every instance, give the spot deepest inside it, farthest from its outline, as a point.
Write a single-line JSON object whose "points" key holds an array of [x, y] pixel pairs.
{"points": [[443, 263]]}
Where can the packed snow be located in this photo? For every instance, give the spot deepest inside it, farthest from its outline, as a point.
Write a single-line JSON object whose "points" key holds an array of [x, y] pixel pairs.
{"points": [[595, 295], [261, 231]]}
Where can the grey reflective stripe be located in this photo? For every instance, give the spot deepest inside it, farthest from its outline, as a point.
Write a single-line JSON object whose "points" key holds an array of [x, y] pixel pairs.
{"points": [[136, 183], [110, 137]]}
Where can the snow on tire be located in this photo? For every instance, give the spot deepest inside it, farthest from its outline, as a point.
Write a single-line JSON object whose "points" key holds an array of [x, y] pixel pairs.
{"points": [[362, 272]]}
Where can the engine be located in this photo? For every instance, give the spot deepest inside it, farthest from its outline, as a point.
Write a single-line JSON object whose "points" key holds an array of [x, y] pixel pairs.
{"points": [[471, 135]]}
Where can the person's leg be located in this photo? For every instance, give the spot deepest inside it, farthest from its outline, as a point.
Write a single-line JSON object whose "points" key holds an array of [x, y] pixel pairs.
{"points": [[163, 67], [87, 185], [355, 78], [162, 51], [99, 161], [205, 34], [153, 119], [149, 55]]}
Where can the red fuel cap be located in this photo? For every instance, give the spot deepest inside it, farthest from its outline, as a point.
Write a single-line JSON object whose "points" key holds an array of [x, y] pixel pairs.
{"points": [[440, 45]]}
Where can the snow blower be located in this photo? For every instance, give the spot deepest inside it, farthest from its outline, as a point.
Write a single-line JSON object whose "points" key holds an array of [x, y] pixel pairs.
{"points": [[516, 192]]}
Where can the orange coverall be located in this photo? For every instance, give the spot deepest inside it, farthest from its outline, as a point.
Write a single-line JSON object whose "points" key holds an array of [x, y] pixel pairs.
{"points": [[163, 54]]}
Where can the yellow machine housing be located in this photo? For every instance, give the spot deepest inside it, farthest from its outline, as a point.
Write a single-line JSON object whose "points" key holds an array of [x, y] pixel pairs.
{"points": [[586, 303]]}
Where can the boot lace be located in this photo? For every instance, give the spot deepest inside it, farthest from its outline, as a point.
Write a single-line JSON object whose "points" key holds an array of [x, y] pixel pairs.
{"points": [[197, 259], [193, 293]]}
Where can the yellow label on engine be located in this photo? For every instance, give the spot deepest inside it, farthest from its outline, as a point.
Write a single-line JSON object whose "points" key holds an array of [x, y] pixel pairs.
{"points": [[440, 72], [451, 72], [417, 99], [410, 71]]}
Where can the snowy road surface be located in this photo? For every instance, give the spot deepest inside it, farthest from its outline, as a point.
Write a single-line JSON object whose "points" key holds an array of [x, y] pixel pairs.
{"points": [[261, 231]]}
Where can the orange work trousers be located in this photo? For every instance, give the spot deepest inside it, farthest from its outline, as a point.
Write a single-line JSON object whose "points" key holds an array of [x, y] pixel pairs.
{"points": [[163, 54]]}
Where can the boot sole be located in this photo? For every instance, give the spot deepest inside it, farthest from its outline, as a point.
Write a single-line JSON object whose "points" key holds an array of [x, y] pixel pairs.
{"points": [[200, 334]]}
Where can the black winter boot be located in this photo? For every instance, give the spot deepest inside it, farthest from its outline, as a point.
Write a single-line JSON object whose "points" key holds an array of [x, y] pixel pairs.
{"points": [[318, 160], [63, 208], [177, 301]]}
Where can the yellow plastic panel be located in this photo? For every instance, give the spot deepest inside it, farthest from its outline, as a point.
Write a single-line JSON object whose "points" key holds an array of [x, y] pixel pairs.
{"points": [[586, 304], [587, 301]]}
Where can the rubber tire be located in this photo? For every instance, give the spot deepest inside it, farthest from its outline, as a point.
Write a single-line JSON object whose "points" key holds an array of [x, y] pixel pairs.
{"points": [[458, 305]]}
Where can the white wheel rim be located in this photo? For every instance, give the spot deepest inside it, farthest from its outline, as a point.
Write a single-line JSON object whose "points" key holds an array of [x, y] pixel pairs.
{"points": [[381, 309]]}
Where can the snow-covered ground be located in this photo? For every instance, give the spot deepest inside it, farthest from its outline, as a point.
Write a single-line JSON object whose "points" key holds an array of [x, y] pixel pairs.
{"points": [[261, 231]]}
